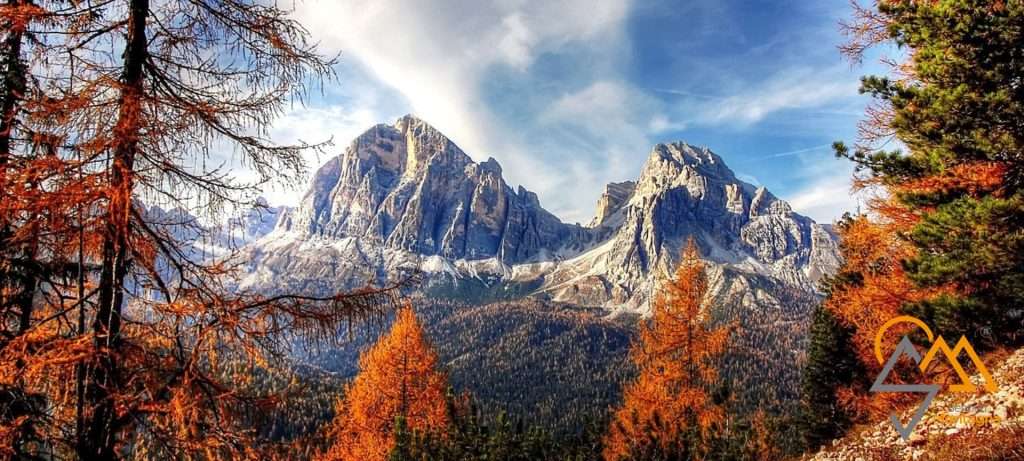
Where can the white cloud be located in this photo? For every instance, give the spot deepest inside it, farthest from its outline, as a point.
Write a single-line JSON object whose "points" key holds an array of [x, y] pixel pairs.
{"points": [[661, 123], [436, 55], [606, 109], [517, 42], [797, 89], [610, 125], [826, 192]]}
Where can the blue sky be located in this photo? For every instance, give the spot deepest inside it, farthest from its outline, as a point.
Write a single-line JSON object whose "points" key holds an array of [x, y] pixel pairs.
{"points": [[570, 95]]}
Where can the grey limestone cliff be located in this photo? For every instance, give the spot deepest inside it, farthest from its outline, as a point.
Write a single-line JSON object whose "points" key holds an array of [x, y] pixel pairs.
{"points": [[404, 197]]}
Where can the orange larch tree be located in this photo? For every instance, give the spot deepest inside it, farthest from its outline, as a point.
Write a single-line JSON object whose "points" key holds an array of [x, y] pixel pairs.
{"points": [[132, 344], [43, 193], [868, 290], [398, 378], [668, 408], [871, 286]]}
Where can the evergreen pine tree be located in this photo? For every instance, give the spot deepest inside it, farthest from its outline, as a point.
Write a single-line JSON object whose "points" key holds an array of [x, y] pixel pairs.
{"points": [[959, 110], [831, 363]]}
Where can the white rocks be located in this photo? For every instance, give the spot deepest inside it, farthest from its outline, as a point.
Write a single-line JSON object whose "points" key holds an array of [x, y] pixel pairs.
{"points": [[973, 416]]}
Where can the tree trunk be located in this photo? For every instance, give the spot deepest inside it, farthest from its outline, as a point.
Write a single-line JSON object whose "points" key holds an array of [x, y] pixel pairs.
{"points": [[13, 88], [100, 440]]}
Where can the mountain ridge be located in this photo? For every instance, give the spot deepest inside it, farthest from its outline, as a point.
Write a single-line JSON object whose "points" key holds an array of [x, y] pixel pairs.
{"points": [[389, 178], [404, 197]]}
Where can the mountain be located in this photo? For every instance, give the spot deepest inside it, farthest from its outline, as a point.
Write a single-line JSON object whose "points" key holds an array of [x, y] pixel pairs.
{"points": [[744, 231], [408, 187], [206, 240], [518, 302], [404, 197]]}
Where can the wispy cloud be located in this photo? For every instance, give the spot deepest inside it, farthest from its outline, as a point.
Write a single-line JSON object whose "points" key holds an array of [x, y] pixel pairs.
{"points": [[570, 95], [825, 191], [435, 53], [608, 111], [438, 56], [805, 88], [605, 129], [798, 151]]}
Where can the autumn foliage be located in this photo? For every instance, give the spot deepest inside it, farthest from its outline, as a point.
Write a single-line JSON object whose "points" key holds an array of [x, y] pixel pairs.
{"points": [[941, 239], [878, 287], [118, 339], [398, 378], [669, 407]]}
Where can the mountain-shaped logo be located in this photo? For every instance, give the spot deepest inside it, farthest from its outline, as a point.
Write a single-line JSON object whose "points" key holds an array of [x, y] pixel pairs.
{"points": [[907, 348]]}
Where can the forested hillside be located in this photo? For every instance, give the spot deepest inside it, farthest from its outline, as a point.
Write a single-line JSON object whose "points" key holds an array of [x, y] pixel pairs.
{"points": [[574, 360]]}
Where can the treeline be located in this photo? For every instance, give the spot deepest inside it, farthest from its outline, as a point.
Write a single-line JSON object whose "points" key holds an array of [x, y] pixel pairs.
{"points": [[761, 364], [558, 369], [675, 405], [941, 237], [552, 365]]}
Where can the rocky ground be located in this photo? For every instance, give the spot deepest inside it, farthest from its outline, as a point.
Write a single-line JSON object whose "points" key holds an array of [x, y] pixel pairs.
{"points": [[956, 426]]}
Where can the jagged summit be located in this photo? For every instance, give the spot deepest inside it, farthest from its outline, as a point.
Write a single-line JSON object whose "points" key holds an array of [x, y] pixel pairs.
{"points": [[406, 186], [404, 196], [698, 157], [615, 195], [687, 192]]}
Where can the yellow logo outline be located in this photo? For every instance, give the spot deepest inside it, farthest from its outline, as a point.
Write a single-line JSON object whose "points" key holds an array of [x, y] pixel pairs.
{"points": [[940, 345]]}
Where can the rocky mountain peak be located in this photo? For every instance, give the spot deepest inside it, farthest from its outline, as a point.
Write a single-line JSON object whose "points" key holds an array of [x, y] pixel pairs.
{"points": [[404, 196], [698, 173], [406, 147], [491, 166], [615, 195], [764, 203], [407, 186], [688, 192], [680, 155]]}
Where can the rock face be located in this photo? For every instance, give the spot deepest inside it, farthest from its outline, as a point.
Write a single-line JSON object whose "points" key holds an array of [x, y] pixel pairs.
{"points": [[686, 192], [615, 195], [404, 197], [408, 187]]}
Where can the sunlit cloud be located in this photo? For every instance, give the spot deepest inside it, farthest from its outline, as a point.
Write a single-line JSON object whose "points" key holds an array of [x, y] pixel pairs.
{"points": [[559, 93], [826, 191]]}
